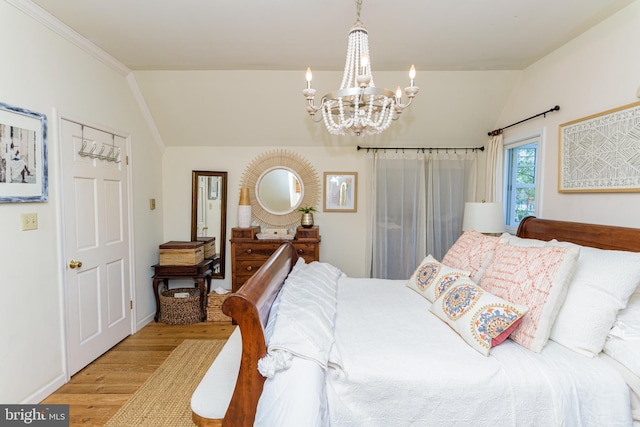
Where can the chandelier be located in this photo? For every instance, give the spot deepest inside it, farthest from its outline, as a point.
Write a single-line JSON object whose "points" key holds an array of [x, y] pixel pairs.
{"points": [[359, 107]]}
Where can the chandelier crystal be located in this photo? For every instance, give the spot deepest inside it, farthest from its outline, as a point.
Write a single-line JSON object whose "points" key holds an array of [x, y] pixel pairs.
{"points": [[359, 107]]}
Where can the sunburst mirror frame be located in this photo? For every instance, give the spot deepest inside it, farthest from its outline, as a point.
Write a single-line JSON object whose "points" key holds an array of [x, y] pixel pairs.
{"points": [[297, 164]]}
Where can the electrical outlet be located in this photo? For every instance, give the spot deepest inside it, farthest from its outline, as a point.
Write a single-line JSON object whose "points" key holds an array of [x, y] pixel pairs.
{"points": [[29, 221]]}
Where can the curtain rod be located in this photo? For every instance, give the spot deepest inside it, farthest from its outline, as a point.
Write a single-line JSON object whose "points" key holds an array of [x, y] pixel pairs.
{"points": [[499, 131], [423, 149]]}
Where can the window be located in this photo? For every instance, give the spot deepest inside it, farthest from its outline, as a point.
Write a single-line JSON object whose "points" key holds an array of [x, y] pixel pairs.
{"points": [[522, 178]]}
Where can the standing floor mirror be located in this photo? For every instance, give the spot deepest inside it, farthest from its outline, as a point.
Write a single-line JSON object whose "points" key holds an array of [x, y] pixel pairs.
{"points": [[209, 212]]}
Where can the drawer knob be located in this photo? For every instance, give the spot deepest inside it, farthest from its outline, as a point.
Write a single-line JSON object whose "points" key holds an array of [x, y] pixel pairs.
{"points": [[249, 268], [300, 251], [249, 251]]}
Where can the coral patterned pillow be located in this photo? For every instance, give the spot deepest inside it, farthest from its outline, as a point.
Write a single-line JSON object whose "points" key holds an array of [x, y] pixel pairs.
{"points": [[483, 320], [533, 276], [431, 278], [472, 251]]}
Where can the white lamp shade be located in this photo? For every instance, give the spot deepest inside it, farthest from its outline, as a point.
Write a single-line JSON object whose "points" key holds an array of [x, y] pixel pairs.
{"points": [[483, 217]]}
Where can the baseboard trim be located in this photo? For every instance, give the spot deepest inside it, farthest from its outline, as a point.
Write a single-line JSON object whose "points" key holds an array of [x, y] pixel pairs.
{"points": [[47, 390]]}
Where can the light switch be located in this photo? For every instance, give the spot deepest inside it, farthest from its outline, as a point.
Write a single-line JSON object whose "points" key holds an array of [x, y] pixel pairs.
{"points": [[29, 221], [152, 204]]}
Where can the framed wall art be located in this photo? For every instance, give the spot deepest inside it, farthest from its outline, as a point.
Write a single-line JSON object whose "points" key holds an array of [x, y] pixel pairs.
{"points": [[23, 155], [601, 153], [340, 192]]}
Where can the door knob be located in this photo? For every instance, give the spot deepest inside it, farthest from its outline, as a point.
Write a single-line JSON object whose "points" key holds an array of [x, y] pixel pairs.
{"points": [[75, 264]]}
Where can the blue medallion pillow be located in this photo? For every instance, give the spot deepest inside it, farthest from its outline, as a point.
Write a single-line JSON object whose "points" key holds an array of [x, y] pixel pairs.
{"points": [[432, 277], [482, 319]]}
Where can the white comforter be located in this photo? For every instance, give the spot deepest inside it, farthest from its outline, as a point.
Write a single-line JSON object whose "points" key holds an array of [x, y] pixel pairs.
{"points": [[404, 367]]}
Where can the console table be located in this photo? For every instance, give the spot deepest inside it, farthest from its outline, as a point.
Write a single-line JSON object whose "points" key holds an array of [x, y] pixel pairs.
{"points": [[248, 253], [200, 273]]}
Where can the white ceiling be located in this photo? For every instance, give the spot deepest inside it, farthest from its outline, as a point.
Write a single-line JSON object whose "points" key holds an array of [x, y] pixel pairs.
{"points": [[293, 34], [467, 53]]}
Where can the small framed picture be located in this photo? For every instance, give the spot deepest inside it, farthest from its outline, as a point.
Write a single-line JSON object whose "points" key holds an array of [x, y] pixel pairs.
{"points": [[340, 192], [23, 155]]}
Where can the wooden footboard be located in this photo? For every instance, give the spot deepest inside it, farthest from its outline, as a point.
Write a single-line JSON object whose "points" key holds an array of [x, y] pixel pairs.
{"points": [[249, 308]]}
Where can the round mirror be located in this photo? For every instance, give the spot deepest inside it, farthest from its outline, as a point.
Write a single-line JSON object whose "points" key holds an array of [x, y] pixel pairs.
{"points": [[279, 190], [279, 182]]}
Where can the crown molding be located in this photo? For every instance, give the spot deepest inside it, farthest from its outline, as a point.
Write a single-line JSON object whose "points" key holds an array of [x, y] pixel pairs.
{"points": [[54, 24]]}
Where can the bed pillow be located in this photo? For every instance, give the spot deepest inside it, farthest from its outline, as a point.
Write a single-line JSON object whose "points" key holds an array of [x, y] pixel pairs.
{"points": [[536, 277], [600, 287], [519, 241], [472, 251], [483, 320], [625, 352], [432, 277], [627, 324], [623, 342]]}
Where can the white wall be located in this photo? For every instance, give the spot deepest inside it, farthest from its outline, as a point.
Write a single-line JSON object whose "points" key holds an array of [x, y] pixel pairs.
{"points": [[597, 71], [343, 234], [43, 72], [236, 116]]}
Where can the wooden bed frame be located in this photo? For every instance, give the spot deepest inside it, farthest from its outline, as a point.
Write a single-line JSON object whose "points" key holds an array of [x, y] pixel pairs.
{"points": [[250, 306]]}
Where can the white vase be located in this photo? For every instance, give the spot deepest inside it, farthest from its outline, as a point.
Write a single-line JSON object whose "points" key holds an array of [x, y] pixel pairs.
{"points": [[244, 216]]}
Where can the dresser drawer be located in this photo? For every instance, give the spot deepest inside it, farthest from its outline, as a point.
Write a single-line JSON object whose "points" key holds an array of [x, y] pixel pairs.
{"points": [[306, 251], [248, 267], [251, 251]]}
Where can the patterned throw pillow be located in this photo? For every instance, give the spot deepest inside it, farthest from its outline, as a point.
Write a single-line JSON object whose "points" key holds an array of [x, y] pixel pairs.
{"points": [[533, 276], [431, 278], [483, 320], [472, 251]]}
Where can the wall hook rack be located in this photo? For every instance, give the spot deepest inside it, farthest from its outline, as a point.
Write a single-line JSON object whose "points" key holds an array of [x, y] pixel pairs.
{"points": [[112, 155]]}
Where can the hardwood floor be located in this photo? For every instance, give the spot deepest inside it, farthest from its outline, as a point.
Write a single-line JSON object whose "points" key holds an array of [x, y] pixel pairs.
{"points": [[97, 392]]}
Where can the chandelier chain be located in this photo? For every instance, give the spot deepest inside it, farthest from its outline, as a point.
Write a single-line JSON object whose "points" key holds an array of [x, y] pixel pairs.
{"points": [[358, 7]]}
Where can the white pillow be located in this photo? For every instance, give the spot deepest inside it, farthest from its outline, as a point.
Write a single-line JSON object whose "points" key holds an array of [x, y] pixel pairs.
{"points": [[519, 241], [626, 352], [601, 285], [536, 277], [483, 320], [627, 324], [623, 341], [431, 278]]}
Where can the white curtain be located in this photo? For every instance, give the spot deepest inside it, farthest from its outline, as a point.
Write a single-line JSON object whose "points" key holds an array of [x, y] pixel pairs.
{"points": [[493, 177], [417, 201]]}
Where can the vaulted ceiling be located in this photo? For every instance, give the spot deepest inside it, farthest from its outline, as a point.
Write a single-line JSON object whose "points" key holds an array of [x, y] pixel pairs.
{"points": [[289, 35], [293, 34]]}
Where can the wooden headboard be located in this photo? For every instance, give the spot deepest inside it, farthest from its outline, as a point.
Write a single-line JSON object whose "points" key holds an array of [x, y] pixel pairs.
{"points": [[594, 235]]}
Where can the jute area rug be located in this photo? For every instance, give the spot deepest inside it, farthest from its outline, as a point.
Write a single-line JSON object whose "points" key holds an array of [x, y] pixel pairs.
{"points": [[165, 397]]}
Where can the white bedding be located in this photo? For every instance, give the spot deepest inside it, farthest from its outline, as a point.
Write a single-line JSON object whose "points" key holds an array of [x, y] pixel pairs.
{"points": [[404, 367]]}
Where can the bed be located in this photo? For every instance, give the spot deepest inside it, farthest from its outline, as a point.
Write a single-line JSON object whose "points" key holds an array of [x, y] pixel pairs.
{"points": [[565, 380]]}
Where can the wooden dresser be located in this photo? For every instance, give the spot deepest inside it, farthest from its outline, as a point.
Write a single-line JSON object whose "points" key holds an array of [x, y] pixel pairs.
{"points": [[248, 253]]}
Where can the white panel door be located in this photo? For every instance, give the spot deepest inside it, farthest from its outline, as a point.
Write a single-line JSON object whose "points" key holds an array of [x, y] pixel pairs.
{"points": [[96, 220]]}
